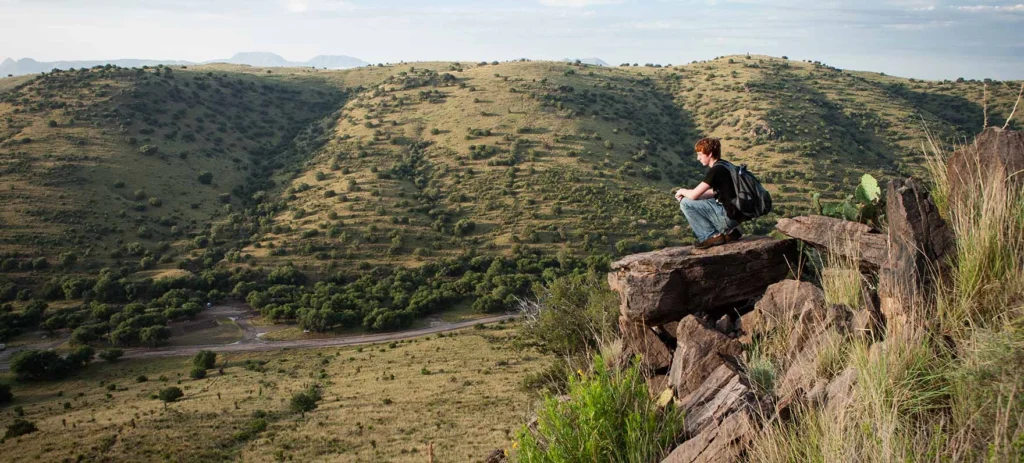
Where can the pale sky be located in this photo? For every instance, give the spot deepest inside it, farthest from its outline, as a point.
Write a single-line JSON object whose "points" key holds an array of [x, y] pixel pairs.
{"points": [[910, 38]]}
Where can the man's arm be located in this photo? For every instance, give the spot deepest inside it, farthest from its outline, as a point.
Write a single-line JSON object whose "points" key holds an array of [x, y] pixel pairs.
{"points": [[703, 191]]}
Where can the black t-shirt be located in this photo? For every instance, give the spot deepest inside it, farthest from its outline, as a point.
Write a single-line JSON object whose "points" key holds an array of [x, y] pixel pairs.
{"points": [[721, 181]]}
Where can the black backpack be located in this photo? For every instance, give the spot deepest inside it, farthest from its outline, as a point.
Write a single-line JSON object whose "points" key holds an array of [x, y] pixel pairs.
{"points": [[751, 200]]}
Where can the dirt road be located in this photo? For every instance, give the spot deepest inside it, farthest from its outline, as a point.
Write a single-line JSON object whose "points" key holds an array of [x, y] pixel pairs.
{"points": [[251, 341]]}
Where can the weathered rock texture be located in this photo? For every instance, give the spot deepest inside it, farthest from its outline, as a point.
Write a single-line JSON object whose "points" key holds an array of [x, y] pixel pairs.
{"points": [[699, 351], [664, 286], [720, 419], [920, 242], [782, 304], [866, 244], [996, 153], [644, 342]]}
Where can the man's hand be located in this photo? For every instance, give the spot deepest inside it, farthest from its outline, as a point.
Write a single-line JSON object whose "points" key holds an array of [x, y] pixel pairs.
{"points": [[680, 194]]}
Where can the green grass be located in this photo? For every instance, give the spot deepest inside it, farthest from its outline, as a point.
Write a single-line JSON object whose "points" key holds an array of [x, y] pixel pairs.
{"points": [[608, 417]]}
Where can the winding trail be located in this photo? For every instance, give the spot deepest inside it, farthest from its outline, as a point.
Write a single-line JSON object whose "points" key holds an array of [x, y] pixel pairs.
{"points": [[251, 341]]}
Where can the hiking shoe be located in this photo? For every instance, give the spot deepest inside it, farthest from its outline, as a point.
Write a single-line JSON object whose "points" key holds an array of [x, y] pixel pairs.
{"points": [[733, 235], [713, 241]]}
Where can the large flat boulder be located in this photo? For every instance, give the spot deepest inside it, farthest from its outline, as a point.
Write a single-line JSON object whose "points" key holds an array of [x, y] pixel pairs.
{"points": [[841, 237], [664, 286]]}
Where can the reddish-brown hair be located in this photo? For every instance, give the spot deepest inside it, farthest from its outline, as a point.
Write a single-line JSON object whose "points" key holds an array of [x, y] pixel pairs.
{"points": [[709, 146]]}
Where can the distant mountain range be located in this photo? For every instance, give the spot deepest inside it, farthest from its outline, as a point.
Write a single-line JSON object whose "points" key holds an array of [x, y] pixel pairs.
{"points": [[259, 59], [593, 61]]}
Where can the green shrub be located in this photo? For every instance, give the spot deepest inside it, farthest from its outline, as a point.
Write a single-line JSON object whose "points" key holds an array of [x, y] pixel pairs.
{"points": [[571, 314], [170, 394], [204, 359], [20, 427], [305, 400], [111, 355], [205, 177], [197, 373], [608, 417]]}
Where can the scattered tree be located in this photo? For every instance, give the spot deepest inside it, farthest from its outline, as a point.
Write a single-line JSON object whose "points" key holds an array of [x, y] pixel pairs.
{"points": [[170, 394], [204, 359], [305, 400]]}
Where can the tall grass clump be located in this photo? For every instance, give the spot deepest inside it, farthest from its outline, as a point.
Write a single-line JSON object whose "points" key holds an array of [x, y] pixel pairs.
{"points": [[987, 215], [841, 280], [607, 417]]}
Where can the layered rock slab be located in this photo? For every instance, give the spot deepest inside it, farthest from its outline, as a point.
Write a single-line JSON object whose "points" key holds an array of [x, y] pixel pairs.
{"points": [[699, 351], [842, 237], [721, 419], [664, 286]]}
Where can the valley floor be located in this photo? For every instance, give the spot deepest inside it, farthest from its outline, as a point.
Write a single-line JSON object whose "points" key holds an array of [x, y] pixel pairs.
{"points": [[383, 402]]}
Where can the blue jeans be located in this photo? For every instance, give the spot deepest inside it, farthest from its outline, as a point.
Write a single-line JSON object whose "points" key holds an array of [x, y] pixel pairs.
{"points": [[707, 218]]}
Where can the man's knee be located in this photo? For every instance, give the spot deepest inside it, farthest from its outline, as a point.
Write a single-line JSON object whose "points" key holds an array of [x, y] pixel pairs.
{"points": [[687, 203]]}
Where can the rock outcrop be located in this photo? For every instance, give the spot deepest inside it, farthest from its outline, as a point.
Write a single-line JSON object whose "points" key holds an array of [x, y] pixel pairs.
{"points": [[643, 342], [721, 419], [672, 314], [700, 350], [664, 286], [920, 243], [867, 245], [995, 154]]}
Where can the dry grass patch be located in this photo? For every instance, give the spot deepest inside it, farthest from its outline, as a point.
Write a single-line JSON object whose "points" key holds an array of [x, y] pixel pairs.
{"points": [[380, 403]]}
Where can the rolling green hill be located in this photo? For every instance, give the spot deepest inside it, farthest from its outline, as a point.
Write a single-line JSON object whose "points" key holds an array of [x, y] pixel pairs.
{"points": [[157, 169]]}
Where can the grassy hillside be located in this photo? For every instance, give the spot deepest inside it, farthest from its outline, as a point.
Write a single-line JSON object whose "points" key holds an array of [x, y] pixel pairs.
{"points": [[385, 402], [95, 160], [431, 161], [347, 174]]}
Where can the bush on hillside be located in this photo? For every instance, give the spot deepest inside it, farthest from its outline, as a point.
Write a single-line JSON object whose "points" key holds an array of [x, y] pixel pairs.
{"points": [[204, 359], [170, 394], [206, 177], [571, 315], [20, 427], [111, 355], [305, 400], [608, 416]]}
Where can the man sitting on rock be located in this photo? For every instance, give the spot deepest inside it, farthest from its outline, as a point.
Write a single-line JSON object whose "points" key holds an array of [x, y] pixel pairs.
{"points": [[708, 207]]}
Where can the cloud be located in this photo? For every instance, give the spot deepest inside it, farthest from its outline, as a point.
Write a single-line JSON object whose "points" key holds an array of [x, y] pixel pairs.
{"points": [[308, 6], [918, 26], [577, 3], [649, 25], [1018, 8]]}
